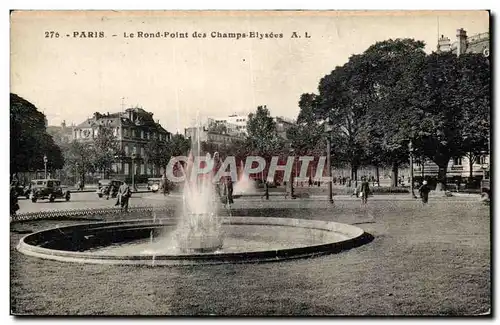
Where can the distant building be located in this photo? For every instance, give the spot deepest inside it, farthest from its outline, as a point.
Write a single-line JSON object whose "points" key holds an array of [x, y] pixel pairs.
{"points": [[236, 123], [282, 125], [133, 128], [62, 134], [479, 43], [211, 137]]}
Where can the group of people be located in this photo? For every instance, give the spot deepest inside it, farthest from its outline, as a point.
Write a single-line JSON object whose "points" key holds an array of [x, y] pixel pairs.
{"points": [[14, 205], [225, 190], [363, 190]]}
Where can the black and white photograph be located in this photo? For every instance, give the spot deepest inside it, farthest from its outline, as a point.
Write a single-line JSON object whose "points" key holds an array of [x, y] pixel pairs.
{"points": [[250, 163]]}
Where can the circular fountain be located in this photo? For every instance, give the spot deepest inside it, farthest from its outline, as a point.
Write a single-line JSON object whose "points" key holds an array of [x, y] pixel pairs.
{"points": [[199, 236], [246, 240]]}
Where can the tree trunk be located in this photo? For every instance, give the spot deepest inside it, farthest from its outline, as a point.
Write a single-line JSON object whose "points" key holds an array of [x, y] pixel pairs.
{"points": [[354, 175], [394, 179], [377, 174], [82, 177], [441, 179], [471, 162]]}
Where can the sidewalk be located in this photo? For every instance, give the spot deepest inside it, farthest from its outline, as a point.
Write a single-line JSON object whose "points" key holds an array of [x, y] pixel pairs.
{"points": [[93, 189]]}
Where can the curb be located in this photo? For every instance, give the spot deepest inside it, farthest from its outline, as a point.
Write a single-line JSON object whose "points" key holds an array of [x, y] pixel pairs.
{"points": [[47, 215], [73, 191]]}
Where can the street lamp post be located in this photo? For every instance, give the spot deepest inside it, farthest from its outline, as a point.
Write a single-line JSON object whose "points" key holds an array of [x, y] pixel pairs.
{"points": [[410, 147], [328, 130], [292, 196], [133, 170], [45, 160], [77, 175]]}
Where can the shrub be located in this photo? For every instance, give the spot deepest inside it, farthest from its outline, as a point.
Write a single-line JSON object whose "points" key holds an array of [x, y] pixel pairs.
{"points": [[389, 190]]}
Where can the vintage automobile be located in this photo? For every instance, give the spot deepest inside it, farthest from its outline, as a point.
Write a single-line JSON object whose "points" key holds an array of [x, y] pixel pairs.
{"points": [[51, 189], [21, 190], [154, 184], [108, 188]]}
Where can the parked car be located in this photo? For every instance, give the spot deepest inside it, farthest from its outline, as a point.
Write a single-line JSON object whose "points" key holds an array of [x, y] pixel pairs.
{"points": [[51, 189], [108, 187], [154, 184], [21, 190]]}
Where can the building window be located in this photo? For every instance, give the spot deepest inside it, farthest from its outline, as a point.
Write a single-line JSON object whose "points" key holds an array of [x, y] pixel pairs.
{"points": [[126, 169], [125, 148], [142, 169], [142, 151], [142, 134], [457, 161], [134, 149], [482, 160]]}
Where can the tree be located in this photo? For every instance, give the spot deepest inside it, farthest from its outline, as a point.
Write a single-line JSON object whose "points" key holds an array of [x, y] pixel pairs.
{"points": [[217, 127], [160, 152], [392, 119], [157, 152], [77, 157], [454, 99], [307, 136], [475, 107], [104, 149], [344, 98], [262, 136], [29, 140]]}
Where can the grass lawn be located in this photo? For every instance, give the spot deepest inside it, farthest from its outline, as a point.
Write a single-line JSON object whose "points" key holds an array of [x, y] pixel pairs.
{"points": [[423, 261]]}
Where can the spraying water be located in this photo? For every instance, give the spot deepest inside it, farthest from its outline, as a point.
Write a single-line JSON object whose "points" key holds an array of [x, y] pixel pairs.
{"points": [[200, 226]]}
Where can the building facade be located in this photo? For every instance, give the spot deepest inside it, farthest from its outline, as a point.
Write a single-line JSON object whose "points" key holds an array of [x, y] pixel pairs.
{"points": [[62, 134], [133, 130], [237, 123], [203, 134], [479, 43], [282, 125]]}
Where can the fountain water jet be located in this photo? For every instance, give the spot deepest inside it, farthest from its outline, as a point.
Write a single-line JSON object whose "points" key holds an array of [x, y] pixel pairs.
{"points": [[200, 227]]}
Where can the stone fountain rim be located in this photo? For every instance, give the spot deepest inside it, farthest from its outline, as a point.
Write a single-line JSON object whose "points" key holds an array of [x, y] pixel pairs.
{"points": [[355, 237]]}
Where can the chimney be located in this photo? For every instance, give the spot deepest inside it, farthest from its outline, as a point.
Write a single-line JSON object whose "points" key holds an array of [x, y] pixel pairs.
{"points": [[444, 44], [461, 41], [63, 124]]}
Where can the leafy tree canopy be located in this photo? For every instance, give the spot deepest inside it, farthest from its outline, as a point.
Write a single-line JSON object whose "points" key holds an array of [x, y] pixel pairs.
{"points": [[29, 140]]}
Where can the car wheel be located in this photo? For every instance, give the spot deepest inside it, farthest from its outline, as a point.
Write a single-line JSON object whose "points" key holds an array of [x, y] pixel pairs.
{"points": [[33, 199], [99, 195], [52, 198], [68, 197]]}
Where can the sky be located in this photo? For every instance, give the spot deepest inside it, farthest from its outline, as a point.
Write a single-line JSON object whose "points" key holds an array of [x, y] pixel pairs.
{"points": [[69, 78]]}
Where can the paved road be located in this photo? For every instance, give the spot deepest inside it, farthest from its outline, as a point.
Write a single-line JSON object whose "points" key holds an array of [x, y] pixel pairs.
{"points": [[83, 200]]}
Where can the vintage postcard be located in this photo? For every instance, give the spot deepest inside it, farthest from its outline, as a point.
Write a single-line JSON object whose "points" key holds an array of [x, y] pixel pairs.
{"points": [[250, 163]]}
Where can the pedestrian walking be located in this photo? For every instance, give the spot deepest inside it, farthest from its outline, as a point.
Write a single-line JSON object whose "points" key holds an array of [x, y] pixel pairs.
{"points": [[123, 197], [424, 192], [364, 190], [14, 205]]}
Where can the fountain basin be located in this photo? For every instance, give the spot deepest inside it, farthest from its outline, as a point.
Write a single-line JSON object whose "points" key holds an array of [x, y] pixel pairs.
{"points": [[246, 240]]}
